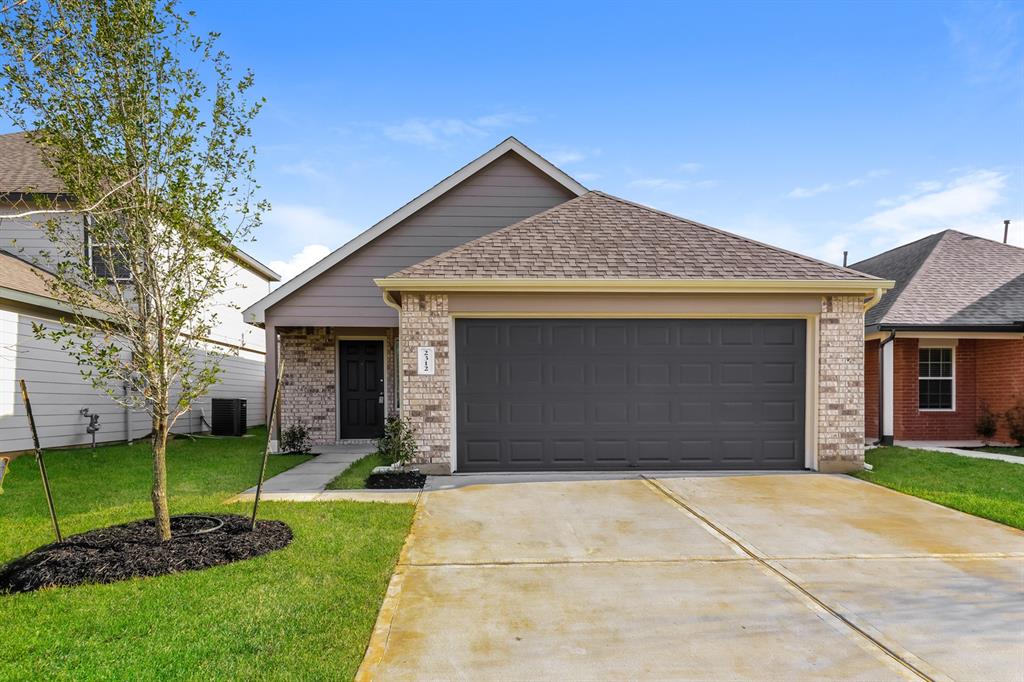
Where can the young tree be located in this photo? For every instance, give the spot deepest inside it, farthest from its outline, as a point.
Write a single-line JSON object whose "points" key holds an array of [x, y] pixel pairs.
{"points": [[147, 128]]}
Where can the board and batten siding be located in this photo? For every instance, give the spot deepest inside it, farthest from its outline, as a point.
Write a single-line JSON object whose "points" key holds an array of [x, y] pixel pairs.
{"points": [[504, 192], [59, 392]]}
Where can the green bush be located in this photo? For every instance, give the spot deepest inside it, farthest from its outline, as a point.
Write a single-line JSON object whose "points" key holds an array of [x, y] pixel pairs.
{"points": [[1015, 421], [398, 444], [295, 439], [987, 423]]}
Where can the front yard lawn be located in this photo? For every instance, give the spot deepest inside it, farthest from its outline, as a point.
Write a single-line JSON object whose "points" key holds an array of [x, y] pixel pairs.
{"points": [[1017, 452], [304, 612], [354, 477], [987, 488]]}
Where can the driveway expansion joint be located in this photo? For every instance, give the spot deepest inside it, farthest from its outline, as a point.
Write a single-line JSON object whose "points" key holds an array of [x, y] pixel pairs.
{"points": [[770, 566]]}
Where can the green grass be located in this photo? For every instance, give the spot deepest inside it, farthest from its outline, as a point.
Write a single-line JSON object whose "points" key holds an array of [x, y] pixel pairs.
{"points": [[987, 488], [1018, 452], [304, 612], [354, 477]]}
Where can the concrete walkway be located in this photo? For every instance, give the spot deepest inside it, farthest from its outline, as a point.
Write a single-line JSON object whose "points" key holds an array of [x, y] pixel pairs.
{"points": [[916, 445], [785, 577], [311, 478]]}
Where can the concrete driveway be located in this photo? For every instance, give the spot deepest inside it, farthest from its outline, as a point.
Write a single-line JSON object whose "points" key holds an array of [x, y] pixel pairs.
{"points": [[780, 577]]}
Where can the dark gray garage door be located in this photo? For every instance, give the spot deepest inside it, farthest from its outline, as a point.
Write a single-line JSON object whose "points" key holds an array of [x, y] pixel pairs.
{"points": [[558, 395]]}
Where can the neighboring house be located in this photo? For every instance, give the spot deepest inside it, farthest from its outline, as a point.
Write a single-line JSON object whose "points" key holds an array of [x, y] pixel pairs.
{"points": [[947, 342], [520, 322], [57, 389]]}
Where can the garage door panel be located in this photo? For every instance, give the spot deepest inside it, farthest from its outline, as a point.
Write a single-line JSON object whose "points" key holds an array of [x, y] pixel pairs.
{"points": [[607, 394]]}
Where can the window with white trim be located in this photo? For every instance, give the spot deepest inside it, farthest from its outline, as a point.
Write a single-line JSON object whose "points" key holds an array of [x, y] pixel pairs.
{"points": [[935, 389], [101, 260]]}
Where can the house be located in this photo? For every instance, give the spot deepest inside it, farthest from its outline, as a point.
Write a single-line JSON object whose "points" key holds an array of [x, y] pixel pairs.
{"points": [[947, 342], [520, 322], [59, 394]]}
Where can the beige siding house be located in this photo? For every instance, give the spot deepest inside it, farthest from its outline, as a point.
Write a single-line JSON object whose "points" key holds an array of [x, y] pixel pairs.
{"points": [[59, 394], [520, 322]]}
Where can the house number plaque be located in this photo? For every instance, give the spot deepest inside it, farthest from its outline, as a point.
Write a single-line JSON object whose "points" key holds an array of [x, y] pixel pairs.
{"points": [[425, 360]]}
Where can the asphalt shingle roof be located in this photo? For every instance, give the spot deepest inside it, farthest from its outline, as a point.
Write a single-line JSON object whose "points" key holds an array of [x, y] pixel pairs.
{"points": [[598, 236], [949, 278], [22, 168]]}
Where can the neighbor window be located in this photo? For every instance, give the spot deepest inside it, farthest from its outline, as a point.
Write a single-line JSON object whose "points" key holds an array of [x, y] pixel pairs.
{"points": [[101, 260], [935, 379]]}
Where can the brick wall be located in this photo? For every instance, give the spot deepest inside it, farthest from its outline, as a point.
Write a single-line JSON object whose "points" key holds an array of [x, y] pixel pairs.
{"points": [[426, 399], [871, 385], [841, 384], [308, 390], [911, 423], [999, 377]]}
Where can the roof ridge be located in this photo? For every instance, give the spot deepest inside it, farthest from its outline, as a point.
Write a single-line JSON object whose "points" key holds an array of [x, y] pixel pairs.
{"points": [[733, 235], [913, 282], [492, 235]]}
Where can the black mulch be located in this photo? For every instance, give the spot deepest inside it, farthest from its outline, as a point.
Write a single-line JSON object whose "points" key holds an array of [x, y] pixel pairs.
{"points": [[397, 479], [131, 550]]}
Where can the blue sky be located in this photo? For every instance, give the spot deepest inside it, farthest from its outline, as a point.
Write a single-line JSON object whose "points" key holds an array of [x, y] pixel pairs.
{"points": [[815, 126]]}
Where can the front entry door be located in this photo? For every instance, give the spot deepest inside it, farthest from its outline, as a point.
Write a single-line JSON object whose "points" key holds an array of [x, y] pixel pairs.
{"points": [[362, 388]]}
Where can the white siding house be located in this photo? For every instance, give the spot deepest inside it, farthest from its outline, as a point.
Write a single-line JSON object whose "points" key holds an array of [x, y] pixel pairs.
{"points": [[59, 393]]}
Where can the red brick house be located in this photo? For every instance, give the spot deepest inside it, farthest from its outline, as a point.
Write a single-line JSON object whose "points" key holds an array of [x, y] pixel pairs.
{"points": [[947, 342]]}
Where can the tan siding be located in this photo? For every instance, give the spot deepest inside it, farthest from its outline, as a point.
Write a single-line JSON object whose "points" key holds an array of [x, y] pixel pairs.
{"points": [[504, 192]]}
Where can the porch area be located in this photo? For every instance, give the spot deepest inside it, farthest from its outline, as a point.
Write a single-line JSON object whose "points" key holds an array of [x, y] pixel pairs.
{"points": [[339, 382]]}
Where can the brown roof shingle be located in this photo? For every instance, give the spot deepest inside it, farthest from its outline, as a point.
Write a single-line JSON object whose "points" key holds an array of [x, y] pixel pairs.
{"points": [[598, 236], [949, 278], [22, 169]]}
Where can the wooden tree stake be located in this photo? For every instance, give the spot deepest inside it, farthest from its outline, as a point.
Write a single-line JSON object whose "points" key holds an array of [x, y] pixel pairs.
{"points": [[266, 448], [39, 460]]}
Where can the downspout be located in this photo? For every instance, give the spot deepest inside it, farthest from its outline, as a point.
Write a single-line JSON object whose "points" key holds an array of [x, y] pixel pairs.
{"points": [[875, 298], [882, 440], [389, 300]]}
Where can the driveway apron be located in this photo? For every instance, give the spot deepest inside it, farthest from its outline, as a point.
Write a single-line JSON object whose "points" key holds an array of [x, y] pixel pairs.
{"points": [[735, 577]]}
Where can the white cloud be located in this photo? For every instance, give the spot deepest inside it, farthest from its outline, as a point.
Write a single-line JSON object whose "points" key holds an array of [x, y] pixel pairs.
{"points": [[440, 131], [298, 262], [690, 167], [970, 203], [968, 199], [304, 169], [307, 224], [985, 39], [807, 192], [671, 184], [586, 177]]}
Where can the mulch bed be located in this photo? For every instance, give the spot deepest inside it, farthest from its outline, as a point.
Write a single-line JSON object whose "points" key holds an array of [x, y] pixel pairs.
{"points": [[397, 479], [131, 550]]}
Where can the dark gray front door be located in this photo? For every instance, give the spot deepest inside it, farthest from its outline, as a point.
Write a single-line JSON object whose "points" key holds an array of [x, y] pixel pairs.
{"points": [[555, 395], [362, 388]]}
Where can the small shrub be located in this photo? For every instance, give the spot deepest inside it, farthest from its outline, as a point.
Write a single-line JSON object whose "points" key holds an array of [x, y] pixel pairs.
{"points": [[398, 444], [1015, 421], [986, 424], [295, 439]]}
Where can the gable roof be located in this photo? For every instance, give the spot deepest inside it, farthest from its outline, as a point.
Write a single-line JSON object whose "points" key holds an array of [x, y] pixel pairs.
{"points": [[256, 312], [24, 282], [950, 279], [601, 237], [22, 170]]}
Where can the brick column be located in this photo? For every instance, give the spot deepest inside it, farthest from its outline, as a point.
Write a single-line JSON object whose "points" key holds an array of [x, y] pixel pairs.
{"points": [[426, 399], [841, 384], [308, 391]]}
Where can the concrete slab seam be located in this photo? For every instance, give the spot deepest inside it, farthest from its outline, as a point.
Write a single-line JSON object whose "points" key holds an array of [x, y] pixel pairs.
{"points": [[902, 659]]}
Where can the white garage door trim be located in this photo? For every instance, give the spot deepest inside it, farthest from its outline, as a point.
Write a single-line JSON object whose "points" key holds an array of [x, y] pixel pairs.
{"points": [[811, 374]]}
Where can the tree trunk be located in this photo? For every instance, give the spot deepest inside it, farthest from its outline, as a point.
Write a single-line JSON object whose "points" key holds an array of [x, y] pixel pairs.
{"points": [[161, 514]]}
